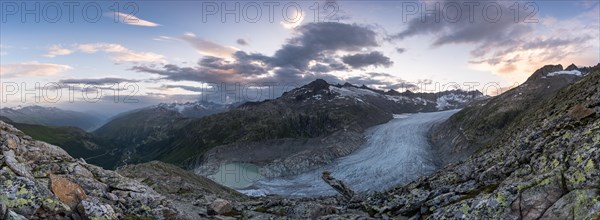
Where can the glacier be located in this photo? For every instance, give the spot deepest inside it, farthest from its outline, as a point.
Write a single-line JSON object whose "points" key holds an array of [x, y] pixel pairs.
{"points": [[395, 153]]}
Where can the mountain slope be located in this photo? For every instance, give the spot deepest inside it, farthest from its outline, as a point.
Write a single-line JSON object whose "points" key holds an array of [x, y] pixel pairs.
{"points": [[484, 121], [544, 165], [154, 124], [51, 116], [330, 117], [41, 181], [315, 110], [75, 141]]}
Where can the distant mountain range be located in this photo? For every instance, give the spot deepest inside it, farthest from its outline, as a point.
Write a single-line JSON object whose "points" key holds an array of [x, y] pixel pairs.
{"points": [[331, 117], [51, 116], [324, 119]]}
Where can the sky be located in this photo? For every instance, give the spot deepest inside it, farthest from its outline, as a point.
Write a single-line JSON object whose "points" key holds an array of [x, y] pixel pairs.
{"points": [[112, 56]]}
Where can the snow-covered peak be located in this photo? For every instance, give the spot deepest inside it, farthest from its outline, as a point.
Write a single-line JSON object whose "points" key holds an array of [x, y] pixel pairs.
{"points": [[349, 91], [450, 100], [565, 72], [180, 107]]}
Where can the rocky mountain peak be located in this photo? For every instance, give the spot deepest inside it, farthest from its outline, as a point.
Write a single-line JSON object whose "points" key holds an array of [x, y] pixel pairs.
{"points": [[572, 67], [542, 72], [318, 84]]}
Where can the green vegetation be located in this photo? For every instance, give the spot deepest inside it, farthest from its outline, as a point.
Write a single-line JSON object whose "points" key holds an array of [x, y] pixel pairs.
{"points": [[75, 141]]}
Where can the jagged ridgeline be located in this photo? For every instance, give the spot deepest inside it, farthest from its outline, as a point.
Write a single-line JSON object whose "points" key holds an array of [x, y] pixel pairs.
{"points": [[314, 111]]}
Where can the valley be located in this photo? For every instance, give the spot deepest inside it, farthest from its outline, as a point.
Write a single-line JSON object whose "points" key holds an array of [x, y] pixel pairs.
{"points": [[289, 110], [394, 153], [403, 155]]}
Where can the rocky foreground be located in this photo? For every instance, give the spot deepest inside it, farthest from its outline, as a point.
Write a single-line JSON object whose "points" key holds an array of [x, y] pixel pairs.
{"points": [[543, 166]]}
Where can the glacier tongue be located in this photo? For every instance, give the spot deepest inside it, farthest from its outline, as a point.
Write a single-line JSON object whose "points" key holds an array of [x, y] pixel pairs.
{"points": [[395, 153]]}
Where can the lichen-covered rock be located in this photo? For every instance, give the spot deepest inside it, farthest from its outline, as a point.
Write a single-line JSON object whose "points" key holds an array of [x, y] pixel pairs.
{"points": [[41, 181], [93, 209], [577, 204]]}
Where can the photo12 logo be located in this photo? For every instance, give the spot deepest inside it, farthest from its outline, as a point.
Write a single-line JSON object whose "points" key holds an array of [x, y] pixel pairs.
{"points": [[54, 92], [256, 11], [126, 12], [71, 11], [471, 11]]}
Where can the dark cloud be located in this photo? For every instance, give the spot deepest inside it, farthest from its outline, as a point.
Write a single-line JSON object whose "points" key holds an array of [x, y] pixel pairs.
{"points": [[497, 38], [317, 40], [400, 50], [373, 74], [484, 29], [374, 58], [315, 43], [241, 42], [100, 81], [332, 65], [362, 80], [243, 66], [176, 73]]}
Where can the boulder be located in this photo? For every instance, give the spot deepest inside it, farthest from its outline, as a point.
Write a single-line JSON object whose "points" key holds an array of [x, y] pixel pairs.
{"points": [[11, 160], [14, 216], [219, 207], [68, 192], [92, 208]]}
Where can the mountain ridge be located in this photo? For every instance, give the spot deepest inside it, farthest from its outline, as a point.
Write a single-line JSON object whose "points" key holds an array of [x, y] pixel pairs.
{"points": [[51, 116]]}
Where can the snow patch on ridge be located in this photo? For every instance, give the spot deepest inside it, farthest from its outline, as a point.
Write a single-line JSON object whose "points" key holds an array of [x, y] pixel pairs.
{"points": [[443, 102], [565, 72], [352, 92]]}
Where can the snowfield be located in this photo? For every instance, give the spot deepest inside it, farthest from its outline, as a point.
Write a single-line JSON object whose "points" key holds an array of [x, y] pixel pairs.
{"points": [[395, 153], [564, 72]]}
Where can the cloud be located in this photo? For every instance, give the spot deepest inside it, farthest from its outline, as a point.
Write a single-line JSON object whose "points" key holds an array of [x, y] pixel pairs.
{"points": [[400, 50], [206, 47], [382, 81], [133, 20], [315, 41], [311, 53], [241, 42], [477, 28], [496, 43], [98, 81], [374, 58], [57, 50], [184, 87], [164, 38], [118, 52], [32, 69]]}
